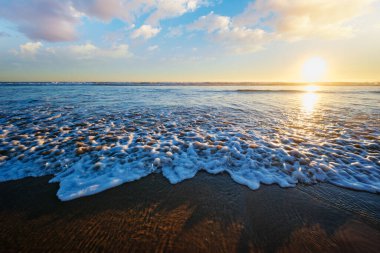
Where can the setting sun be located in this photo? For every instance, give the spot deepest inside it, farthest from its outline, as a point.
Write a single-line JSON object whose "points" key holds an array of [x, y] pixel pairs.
{"points": [[314, 69]]}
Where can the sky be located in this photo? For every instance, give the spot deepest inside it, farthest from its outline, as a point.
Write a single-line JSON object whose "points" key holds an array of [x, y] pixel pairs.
{"points": [[189, 40]]}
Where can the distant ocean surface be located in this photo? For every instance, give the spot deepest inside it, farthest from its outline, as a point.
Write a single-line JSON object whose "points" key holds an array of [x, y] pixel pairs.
{"points": [[91, 137]]}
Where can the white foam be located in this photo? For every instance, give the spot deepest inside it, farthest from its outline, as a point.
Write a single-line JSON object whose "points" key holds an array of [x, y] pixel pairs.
{"points": [[87, 153]]}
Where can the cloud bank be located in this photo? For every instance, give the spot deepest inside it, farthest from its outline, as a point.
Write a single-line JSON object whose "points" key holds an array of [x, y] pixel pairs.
{"points": [[56, 20], [49, 20], [298, 19], [90, 51], [261, 22], [264, 21], [84, 51]]}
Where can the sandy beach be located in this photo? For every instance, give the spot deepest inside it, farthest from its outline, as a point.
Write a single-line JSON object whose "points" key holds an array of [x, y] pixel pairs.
{"points": [[209, 213]]}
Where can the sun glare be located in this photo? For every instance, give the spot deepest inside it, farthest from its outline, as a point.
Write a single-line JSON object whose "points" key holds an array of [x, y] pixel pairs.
{"points": [[309, 100], [313, 69], [311, 88]]}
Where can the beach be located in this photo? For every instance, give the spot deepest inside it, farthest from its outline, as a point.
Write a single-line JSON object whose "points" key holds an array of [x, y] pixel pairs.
{"points": [[97, 168], [209, 213], [189, 126]]}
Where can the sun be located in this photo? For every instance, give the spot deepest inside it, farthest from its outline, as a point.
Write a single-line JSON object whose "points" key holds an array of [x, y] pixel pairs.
{"points": [[314, 69]]}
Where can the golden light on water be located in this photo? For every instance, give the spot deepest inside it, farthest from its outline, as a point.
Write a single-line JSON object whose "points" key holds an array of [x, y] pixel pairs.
{"points": [[311, 88], [314, 69], [310, 98], [309, 101]]}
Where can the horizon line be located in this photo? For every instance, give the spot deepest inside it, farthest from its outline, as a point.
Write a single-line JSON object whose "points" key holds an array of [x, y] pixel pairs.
{"points": [[195, 83]]}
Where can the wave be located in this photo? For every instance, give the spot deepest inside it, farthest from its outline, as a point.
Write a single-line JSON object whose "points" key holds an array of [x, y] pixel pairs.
{"points": [[87, 154], [206, 87]]}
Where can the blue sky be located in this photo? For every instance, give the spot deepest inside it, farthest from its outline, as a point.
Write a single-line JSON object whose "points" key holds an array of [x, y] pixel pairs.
{"points": [[187, 40]]}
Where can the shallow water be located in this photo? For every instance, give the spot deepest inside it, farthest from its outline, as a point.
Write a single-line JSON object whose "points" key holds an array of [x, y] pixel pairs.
{"points": [[94, 137]]}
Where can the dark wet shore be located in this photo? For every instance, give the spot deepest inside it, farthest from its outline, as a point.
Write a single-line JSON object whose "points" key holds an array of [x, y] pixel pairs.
{"points": [[205, 214]]}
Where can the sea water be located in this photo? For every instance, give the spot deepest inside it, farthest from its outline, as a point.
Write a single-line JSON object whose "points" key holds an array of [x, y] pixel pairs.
{"points": [[91, 137]]}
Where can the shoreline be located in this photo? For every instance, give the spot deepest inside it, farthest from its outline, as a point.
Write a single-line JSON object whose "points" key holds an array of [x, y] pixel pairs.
{"points": [[206, 213]]}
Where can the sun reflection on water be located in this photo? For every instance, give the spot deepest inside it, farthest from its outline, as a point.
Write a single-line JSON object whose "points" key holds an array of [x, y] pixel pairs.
{"points": [[311, 88], [310, 99]]}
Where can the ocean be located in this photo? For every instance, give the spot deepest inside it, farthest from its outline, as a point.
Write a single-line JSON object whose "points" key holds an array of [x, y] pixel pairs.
{"points": [[91, 137]]}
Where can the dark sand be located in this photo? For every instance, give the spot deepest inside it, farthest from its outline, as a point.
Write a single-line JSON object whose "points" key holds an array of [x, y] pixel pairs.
{"points": [[204, 214]]}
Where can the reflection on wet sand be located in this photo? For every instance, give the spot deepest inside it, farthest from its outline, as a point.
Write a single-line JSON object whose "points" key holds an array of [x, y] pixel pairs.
{"points": [[206, 214], [313, 238]]}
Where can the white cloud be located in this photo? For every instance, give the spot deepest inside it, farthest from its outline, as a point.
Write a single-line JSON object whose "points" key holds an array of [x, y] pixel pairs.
{"points": [[153, 48], [84, 49], [211, 23], [165, 9], [29, 49], [119, 51], [88, 51], [237, 39], [79, 51], [56, 20], [145, 32], [299, 19]]}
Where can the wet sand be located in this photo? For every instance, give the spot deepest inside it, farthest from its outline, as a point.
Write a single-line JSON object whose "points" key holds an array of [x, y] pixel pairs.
{"points": [[209, 213]]}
